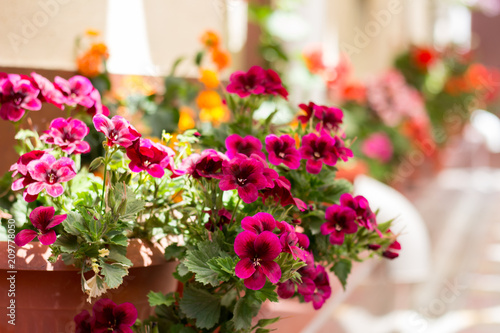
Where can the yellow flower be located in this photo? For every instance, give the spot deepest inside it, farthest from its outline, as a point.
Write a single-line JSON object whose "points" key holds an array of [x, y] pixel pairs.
{"points": [[215, 115], [208, 99], [209, 78], [103, 252], [186, 120], [92, 32]]}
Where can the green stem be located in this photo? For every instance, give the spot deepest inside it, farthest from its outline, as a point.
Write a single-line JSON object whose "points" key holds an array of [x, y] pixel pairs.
{"points": [[234, 211], [104, 177]]}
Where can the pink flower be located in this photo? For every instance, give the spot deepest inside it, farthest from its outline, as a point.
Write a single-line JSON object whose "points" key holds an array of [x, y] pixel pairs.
{"points": [[273, 85], [291, 242], [49, 93], [340, 220], [341, 150], [309, 110], [318, 150], [281, 192], [67, 134], [151, 157], [17, 93], [322, 290], [360, 205], [259, 223], [76, 90], [257, 253], [21, 167], [245, 84], [246, 175], [330, 118], [109, 317], [207, 165], [248, 145], [48, 173], [223, 217], [378, 146], [392, 251], [117, 130], [97, 108], [44, 219], [282, 150]]}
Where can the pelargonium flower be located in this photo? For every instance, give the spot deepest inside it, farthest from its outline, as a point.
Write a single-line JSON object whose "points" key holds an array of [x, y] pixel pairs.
{"points": [[208, 164], [111, 317], [244, 174], [360, 205], [17, 93], [21, 167], [223, 217], [330, 118], [67, 134], [340, 220], [392, 251], [281, 192], [44, 219], [97, 107], [145, 155], [294, 243], [49, 93], [76, 90], [248, 145], [273, 85], [247, 83], [378, 146], [341, 150], [117, 130], [322, 290], [83, 322], [318, 150], [48, 173], [282, 150], [257, 254], [259, 223], [309, 110]]}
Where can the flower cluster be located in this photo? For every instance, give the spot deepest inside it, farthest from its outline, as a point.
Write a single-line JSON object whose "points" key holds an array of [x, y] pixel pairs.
{"points": [[106, 316], [256, 81]]}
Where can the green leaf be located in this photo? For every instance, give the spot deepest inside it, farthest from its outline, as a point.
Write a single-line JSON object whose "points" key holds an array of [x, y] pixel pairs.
{"points": [[67, 243], [113, 274], [202, 306], [342, 269], [223, 266], [199, 58], [245, 309], [197, 262], [119, 254], [266, 293], [174, 251], [73, 224], [262, 330], [120, 239], [266, 322], [156, 299]]}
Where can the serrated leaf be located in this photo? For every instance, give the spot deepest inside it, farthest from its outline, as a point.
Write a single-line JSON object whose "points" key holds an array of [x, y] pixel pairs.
{"points": [[202, 306], [113, 274], [156, 299], [224, 267], [174, 251], [119, 254], [197, 262], [73, 224], [266, 293], [342, 269], [119, 239], [67, 243], [245, 309]]}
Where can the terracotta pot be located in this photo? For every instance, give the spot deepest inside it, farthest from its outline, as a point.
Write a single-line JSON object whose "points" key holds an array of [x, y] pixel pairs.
{"points": [[48, 296]]}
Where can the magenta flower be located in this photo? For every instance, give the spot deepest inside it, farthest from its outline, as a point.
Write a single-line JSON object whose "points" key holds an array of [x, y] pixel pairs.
{"points": [[291, 243], [281, 192], [341, 150], [76, 90], [97, 108], [282, 150], [392, 251], [83, 322], [18, 93], [151, 157], [207, 165], [44, 219], [360, 205], [248, 145], [286, 289], [330, 118], [109, 317], [117, 130], [340, 220], [378, 146], [273, 85], [309, 110], [244, 174], [318, 150], [49, 93], [223, 217], [48, 173], [67, 134], [257, 253], [21, 167], [259, 223], [322, 290], [245, 84]]}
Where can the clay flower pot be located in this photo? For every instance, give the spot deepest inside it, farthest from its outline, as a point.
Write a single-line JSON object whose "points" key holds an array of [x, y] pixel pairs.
{"points": [[48, 296]]}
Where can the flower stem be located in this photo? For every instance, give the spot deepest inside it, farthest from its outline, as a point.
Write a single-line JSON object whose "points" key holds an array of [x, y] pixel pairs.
{"points": [[234, 210], [104, 177]]}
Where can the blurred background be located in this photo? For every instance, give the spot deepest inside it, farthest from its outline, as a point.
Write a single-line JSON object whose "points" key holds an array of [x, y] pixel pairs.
{"points": [[418, 81]]}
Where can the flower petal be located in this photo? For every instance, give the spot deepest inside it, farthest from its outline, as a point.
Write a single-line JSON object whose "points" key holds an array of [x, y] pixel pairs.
{"points": [[125, 314], [267, 246], [54, 190], [48, 238], [272, 270], [155, 170], [244, 268], [24, 237], [244, 244], [256, 281], [56, 220], [40, 217]]}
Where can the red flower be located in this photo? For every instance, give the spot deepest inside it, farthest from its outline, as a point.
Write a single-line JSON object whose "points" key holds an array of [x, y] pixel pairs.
{"points": [[248, 145], [44, 219], [330, 118], [145, 155], [109, 317], [282, 150], [318, 150], [249, 83], [309, 110], [424, 57], [340, 220]]}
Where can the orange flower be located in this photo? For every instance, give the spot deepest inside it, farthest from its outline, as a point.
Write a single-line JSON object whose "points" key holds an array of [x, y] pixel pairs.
{"points": [[215, 115], [221, 58], [177, 197], [89, 64], [209, 78], [210, 39], [100, 49], [313, 59], [186, 120], [208, 99]]}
